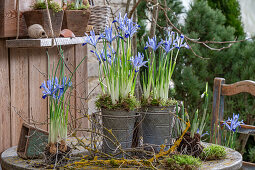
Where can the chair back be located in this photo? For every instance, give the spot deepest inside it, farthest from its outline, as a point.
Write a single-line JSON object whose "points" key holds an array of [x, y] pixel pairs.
{"points": [[220, 90]]}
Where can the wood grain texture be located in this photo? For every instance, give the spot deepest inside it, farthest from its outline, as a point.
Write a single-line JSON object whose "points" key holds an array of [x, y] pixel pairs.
{"points": [[19, 91], [5, 111], [247, 86], [8, 19], [81, 87], [216, 108], [37, 75], [69, 69]]}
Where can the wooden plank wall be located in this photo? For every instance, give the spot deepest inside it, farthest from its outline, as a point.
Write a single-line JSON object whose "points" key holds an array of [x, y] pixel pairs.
{"points": [[22, 70]]}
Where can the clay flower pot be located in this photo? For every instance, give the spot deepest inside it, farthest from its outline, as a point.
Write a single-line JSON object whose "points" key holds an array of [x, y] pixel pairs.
{"points": [[41, 17], [76, 21]]}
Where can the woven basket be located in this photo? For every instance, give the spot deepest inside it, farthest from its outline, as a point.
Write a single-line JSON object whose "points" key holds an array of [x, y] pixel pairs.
{"points": [[99, 17]]}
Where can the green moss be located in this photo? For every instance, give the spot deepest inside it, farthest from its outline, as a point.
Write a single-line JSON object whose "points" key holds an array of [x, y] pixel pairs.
{"points": [[71, 6], [213, 152], [182, 162], [158, 102], [52, 5], [105, 102], [113, 163]]}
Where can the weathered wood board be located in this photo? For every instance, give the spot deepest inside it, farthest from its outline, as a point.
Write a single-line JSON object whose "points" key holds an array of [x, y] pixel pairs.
{"points": [[19, 83], [81, 87], [5, 117], [37, 74]]}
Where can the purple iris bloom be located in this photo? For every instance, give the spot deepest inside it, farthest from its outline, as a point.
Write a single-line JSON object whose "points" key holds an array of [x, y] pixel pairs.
{"points": [[234, 123], [138, 62], [152, 43], [91, 39], [108, 35], [206, 133], [53, 88], [127, 25]]}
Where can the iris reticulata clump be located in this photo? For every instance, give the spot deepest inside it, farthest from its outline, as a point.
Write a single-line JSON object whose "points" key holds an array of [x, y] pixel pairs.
{"points": [[228, 138], [55, 89], [119, 67], [157, 78]]}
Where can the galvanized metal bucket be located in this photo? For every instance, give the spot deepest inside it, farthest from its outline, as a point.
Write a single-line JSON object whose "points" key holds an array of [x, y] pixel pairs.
{"points": [[121, 124], [158, 125]]}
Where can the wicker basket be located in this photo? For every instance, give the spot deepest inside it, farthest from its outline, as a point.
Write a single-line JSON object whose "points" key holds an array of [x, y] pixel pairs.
{"points": [[99, 17]]}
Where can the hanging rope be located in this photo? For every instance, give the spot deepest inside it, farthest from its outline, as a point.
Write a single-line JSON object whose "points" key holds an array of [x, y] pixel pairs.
{"points": [[50, 23]]}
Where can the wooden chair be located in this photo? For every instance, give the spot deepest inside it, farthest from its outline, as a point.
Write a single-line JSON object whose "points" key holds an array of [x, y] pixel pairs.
{"points": [[220, 90]]}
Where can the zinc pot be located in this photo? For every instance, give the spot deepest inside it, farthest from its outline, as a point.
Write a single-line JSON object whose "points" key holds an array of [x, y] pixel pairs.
{"points": [[121, 124], [157, 126], [41, 17], [76, 21]]}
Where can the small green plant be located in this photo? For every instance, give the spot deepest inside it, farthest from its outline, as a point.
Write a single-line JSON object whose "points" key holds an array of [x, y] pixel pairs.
{"points": [[197, 126], [105, 102], [182, 162], [213, 152], [251, 154], [228, 136], [40, 4], [77, 5]]}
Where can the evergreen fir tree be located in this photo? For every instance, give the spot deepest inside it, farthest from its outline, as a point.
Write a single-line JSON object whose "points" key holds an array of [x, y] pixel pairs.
{"points": [[234, 64], [231, 10]]}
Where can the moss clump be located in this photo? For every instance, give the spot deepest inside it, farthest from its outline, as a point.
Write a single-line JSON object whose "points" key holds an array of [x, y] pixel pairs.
{"points": [[113, 163], [52, 5], [105, 102], [157, 102], [213, 152], [72, 6], [182, 162]]}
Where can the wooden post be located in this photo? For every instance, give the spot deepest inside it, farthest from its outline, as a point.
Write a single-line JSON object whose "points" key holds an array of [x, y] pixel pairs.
{"points": [[5, 103], [217, 109]]}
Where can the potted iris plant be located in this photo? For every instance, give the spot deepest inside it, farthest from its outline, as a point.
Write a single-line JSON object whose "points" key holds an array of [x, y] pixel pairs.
{"points": [[118, 70], [55, 89], [76, 16], [157, 106]]}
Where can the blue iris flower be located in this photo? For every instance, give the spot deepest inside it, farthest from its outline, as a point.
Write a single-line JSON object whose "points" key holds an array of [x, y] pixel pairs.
{"points": [[138, 62], [152, 43], [100, 56], [235, 123], [109, 56], [173, 42], [53, 88], [108, 34], [206, 133], [91, 39], [127, 25]]}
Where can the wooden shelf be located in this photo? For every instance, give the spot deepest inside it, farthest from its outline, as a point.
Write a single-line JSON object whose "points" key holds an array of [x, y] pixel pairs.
{"points": [[45, 42]]}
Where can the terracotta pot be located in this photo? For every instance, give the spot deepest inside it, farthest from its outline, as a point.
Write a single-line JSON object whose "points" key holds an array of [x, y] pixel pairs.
{"points": [[41, 17], [76, 21]]}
